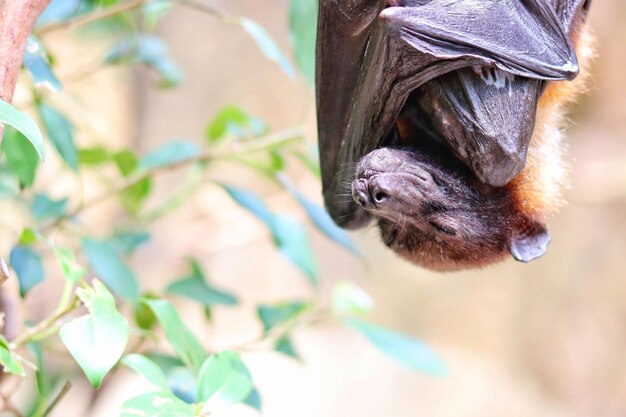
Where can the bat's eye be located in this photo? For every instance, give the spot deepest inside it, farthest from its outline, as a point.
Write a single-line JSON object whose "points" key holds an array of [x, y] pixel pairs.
{"points": [[439, 182], [443, 229], [433, 207], [391, 237]]}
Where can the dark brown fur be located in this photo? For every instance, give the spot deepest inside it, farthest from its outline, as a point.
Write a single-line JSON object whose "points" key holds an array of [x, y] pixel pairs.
{"points": [[434, 212]]}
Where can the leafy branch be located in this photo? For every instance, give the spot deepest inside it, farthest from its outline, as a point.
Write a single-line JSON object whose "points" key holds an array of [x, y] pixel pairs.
{"points": [[86, 19], [195, 380], [45, 327], [278, 139]]}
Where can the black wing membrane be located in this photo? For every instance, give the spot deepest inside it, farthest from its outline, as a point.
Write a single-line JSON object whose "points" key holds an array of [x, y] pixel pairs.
{"points": [[371, 57]]}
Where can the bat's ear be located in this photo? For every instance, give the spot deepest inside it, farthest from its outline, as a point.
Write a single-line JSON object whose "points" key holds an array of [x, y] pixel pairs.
{"points": [[529, 240]]}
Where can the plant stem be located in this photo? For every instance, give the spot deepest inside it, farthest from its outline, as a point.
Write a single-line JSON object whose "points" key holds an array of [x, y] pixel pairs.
{"points": [[8, 406], [58, 397], [311, 317], [269, 142], [91, 17], [41, 328], [201, 7]]}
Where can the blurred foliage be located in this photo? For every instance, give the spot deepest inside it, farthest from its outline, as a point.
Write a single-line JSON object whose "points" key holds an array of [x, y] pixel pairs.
{"points": [[100, 286]]}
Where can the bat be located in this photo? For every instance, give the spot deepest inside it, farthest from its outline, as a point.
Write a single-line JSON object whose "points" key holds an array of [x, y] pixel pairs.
{"points": [[427, 114]]}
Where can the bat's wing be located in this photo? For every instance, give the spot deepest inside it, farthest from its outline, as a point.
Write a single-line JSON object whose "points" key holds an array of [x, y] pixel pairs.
{"points": [[371, 57]]}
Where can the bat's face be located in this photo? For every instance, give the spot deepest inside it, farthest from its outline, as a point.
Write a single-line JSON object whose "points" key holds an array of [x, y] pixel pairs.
{"points": [[432, 211]]}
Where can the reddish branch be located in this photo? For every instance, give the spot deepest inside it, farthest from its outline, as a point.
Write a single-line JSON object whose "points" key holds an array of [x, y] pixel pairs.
{"points": [[17, 19]]}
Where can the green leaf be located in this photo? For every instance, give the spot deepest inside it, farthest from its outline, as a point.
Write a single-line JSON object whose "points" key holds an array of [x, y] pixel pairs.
{"points": [[28, 267], [267, 45], [11, 363], [44, 384], [224, 380], [293, 242], [61, 133], [170, 153], [133, 197], [250, 202], [9, 360], [21, 156], [72, 270], [277, 314], [11, 116], [126, 162], [288, 234], [303, 33], [154, 11], [165, 362], [148, 369], [37, 63], [151, 51], [183, 384], [28, 237], [110, 268], [97, 340], [143, 315], [156, 404], [320, 217], [195, 287], [43, 207], [171, 75], [93, 156], [277, 162], [233, 121], [348, 298], [127, 242], [254, 400], [407, 351], [284, 346], [59, 10], [182, 340]]}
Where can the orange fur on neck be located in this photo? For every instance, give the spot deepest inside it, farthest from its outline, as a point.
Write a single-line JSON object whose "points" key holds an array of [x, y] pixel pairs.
{"points": [[538, 188]]}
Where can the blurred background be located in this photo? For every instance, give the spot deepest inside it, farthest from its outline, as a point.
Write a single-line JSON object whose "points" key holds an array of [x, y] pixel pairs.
{"points": [[547, 338]]}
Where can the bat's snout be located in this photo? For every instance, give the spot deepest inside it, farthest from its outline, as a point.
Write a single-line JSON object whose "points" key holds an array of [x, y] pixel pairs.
{"points": [[367, 194], [390, 181]]}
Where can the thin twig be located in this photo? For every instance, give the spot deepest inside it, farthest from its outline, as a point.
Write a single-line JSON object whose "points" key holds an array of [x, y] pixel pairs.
{"points": [[201, 7], [64, 390], [91, 17], [43, 326], [8, 406], [312, 317], [268, 142]]}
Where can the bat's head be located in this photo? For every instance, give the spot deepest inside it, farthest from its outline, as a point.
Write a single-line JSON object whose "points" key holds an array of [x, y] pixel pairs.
{"points": [[432, 211]]}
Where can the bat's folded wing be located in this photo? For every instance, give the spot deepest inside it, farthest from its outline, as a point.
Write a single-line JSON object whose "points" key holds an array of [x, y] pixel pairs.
{"points": [[523, 38], [370, 58]]}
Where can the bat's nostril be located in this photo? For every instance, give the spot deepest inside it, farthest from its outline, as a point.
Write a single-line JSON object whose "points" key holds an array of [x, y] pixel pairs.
{"points": [[380, 196], [360, 193]]}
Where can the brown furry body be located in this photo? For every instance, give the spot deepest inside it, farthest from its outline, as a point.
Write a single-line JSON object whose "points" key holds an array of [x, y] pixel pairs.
{"points": [[438, 215]]}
